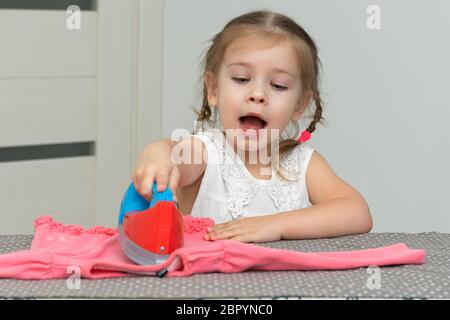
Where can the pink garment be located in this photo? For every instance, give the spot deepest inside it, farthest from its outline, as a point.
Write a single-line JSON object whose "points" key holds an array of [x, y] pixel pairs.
{"points": [[56, 248]]}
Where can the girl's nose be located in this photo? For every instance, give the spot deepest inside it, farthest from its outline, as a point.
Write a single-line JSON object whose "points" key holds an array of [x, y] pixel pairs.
{"points": [[258, 98]]}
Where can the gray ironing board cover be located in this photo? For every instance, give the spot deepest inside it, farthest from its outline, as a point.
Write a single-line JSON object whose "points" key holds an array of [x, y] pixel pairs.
{"points": [[428, 281]]}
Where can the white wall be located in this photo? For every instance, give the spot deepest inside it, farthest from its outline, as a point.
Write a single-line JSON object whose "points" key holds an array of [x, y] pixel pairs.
{"points": [[385, 94]]}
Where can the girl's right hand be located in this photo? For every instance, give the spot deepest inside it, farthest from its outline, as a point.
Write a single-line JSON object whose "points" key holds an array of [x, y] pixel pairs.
{"points": [[155, 165]]}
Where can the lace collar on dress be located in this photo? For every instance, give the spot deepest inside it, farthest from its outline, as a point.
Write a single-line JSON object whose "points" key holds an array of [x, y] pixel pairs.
{"points": [[242, 186]]}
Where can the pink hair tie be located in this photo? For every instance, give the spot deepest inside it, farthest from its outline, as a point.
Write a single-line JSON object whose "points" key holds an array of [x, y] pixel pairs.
{"points": [[305, 136]]}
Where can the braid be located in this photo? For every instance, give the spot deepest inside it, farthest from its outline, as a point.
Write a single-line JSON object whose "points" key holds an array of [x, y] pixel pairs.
{"points": [[287, 145], [318, 114], [205, 112]]}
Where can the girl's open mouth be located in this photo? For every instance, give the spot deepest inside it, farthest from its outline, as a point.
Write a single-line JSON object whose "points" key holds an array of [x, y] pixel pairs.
{"points": [[251, 124]]}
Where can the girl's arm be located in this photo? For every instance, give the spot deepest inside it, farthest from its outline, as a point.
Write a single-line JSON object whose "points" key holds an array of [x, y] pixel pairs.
{"points": [[170, 164], [191, 158], [338, 209]]}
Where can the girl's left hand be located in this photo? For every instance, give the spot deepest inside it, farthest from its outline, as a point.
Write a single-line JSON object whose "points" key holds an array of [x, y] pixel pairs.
{"points": [[253, 229]]}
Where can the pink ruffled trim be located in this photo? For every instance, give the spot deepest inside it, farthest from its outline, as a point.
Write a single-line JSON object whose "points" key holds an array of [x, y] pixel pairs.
{"points": [[73, 228], [191, 225]]}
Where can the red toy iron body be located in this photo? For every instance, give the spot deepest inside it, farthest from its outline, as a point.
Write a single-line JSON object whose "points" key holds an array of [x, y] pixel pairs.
{"points": [[149, 236]]}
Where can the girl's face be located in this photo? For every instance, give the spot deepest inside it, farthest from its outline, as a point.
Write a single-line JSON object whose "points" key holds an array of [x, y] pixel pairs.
{"points": [[261, 78]]}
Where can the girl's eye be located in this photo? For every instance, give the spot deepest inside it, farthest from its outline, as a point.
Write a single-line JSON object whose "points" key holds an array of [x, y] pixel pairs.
{"points": [[277, 86], [243, 80], [240, 80]]}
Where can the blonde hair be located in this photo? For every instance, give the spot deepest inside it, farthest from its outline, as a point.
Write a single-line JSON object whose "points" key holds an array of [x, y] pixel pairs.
{"points": [[278, 27]]}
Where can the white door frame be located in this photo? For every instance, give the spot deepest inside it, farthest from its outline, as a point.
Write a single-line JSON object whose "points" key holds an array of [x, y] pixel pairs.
{"points": [[129, 88]]}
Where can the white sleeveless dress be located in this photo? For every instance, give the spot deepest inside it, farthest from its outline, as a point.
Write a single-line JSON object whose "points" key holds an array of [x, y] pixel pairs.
{"points": [[228, 190]]}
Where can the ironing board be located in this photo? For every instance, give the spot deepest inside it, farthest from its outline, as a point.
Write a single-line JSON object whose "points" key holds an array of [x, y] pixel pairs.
{"points": [[428, 281]]}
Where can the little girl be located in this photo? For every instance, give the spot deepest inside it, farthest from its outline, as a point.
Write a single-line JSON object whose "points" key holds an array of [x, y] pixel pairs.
{"points": [[260, 74]]}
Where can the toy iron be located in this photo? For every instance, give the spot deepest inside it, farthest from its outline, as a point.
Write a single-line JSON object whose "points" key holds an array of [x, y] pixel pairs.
{"points": [[150, 231]]}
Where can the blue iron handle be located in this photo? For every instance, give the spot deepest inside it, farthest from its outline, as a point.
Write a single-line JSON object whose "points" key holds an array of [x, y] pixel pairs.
{"points": [[133, 201]]}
